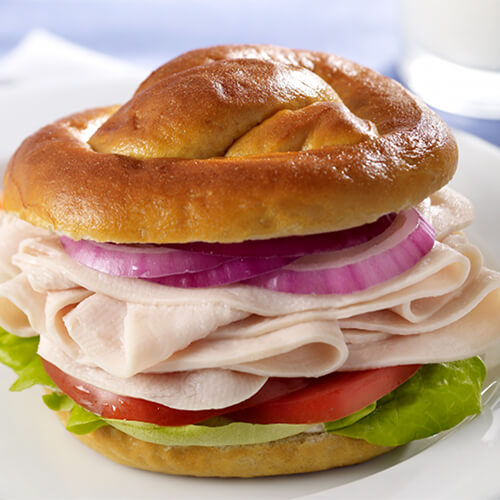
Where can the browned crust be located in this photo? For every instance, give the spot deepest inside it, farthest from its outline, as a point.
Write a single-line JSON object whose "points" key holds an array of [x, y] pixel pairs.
{"points": [[292, 455], [56, 180]]}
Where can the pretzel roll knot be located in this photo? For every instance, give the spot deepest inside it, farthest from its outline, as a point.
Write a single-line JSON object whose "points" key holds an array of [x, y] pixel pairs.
{"points": [[234, 143], [231, 108]]}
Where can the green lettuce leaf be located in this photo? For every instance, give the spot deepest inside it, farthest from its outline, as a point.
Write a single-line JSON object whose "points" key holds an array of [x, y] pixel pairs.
{"points": [[227, 433], [436, 398], [20, 355], [350, 419], [58, 401], [82, 421], [218, 431], [214, 432]]}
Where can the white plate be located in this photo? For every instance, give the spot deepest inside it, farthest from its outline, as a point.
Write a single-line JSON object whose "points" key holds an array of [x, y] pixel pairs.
{"points": [[40, 460]]}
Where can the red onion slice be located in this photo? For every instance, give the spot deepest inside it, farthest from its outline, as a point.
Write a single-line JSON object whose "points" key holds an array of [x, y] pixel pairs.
{"points": [[399, 248], [232, 271], [293, 246], [155, 261], [138, 261], [332, 263]]}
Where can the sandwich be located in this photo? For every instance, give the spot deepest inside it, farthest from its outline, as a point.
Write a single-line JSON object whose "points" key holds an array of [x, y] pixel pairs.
{"points": [[253, 267]]}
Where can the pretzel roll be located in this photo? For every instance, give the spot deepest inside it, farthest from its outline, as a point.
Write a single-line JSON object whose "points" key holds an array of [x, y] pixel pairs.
{"points": [[232, 143]]}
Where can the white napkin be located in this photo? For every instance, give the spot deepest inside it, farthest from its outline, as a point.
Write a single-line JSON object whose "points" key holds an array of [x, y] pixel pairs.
{"points": [[47, 58], [46, 77]]}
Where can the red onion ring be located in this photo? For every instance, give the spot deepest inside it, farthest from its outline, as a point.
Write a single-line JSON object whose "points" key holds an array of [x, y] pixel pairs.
{"points": [[155, 261], [393, 252], [233, 271], [138, 261], [331, 263]]}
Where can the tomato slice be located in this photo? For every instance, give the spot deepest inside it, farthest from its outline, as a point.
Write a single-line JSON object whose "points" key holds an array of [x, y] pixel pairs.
{"points": [[332, 397], [109, 405], [280, 400]]}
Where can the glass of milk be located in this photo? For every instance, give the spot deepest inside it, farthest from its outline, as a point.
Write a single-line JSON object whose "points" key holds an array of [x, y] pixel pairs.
{"points": [[451, 54]]}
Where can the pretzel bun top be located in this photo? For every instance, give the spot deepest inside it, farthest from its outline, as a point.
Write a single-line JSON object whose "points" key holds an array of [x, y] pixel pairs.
{"points": [[232, 143]]}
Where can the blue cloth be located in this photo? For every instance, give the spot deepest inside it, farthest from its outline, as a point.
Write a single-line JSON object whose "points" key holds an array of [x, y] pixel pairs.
{"points": [[149, 32]]}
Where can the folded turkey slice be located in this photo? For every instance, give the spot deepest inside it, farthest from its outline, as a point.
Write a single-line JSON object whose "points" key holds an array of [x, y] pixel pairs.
{"points": [[170, 345]]}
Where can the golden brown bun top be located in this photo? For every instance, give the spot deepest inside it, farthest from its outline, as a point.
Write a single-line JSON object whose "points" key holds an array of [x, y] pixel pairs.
{"points": [[232, 143]]}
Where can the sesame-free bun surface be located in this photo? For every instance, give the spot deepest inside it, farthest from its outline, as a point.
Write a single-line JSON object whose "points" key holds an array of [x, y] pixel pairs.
{"points": [[296, 454], [232, 143]]}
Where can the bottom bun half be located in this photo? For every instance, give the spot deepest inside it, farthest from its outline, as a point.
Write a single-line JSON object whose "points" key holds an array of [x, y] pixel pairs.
{"points": [[306, 452]]}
